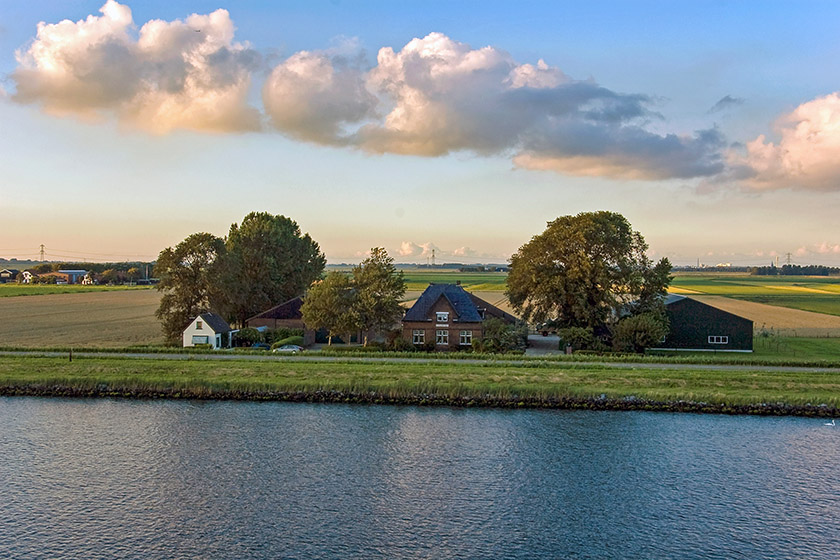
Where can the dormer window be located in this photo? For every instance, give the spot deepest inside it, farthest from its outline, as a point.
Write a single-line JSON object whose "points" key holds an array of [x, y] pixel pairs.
{"points": [[199, 325], [442, 316]]}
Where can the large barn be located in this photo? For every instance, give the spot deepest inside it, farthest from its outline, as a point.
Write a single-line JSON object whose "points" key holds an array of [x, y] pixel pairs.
{"points": [[697, 326]]}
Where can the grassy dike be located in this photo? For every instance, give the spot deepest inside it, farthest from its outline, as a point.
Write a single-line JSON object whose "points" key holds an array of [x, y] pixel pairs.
{"points": [[532, 384]]}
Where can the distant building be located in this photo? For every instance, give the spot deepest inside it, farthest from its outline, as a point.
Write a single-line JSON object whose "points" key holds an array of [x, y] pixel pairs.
{"points": [[286, 315], [74, 276], [697, 326], [207, 328], [449, 316], [8, 275]]}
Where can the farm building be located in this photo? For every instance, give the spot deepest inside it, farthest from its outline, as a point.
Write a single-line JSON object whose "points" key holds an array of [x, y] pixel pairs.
{"points": [[207, 328], [74, 276], [449, 316], [286, 315], [697, 326], [8, 275]]}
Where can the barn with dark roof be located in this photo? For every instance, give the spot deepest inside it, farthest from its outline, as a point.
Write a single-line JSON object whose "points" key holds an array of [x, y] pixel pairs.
{"points": [[449, 316], [695, 325]]}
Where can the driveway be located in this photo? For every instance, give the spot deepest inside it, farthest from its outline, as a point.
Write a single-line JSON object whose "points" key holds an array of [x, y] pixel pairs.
{"points": [[539, 345]]}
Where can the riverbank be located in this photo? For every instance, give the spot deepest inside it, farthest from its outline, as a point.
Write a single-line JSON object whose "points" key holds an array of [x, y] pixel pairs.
{"points": [[677, 388]]}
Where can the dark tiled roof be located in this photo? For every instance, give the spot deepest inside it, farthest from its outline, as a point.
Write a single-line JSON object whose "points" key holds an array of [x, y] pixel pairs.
{"points": [[215, 322], [673, 298], [457, 297], [492, 310], [287, 310]]}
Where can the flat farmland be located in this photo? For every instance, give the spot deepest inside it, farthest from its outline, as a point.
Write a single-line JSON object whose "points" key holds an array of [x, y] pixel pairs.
{"points": [[108, 319]]}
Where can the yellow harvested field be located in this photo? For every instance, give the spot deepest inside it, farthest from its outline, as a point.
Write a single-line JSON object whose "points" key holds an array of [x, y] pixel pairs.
{"points": [[787, 321], [682, 291], [95, 319]]}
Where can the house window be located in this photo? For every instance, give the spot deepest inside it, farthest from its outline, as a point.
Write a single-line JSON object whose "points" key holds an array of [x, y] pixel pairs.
{"points": [[442, 337], [200, 339], [442, 316], [466, 338], [199, 325], [718, 340], [418, 336]]}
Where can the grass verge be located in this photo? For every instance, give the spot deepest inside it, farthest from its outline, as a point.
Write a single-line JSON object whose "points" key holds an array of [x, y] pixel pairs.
{"points": [[536, 384]]}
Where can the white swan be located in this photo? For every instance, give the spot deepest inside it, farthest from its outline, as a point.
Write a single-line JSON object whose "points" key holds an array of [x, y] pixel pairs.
{"points": [[830, 423]]}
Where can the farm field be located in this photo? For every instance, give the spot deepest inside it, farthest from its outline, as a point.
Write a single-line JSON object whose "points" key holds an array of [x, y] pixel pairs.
{"points": [[807, 293], [472, 281], [108, 319], [15, 290]]}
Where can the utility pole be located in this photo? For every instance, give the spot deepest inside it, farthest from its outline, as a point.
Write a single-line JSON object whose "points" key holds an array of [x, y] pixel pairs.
{"points": [[42, 252], [433, 257]]}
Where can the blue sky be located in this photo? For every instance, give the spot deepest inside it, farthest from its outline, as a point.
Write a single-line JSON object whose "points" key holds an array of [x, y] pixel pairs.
{"points": [[712, 126]]}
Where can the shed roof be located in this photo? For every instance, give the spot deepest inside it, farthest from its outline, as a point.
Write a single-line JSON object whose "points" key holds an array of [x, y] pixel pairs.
{"points": [[457, 297]]}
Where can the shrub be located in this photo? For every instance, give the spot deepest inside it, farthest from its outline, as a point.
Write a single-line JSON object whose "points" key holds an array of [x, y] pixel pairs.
{"points": [[400, 344], [296, 340], [579, 338], [634, 334], [273, 335], [247, 336]]}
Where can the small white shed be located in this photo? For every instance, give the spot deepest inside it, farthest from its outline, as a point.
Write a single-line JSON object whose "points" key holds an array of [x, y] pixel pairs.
{"points": [[207, 328]]}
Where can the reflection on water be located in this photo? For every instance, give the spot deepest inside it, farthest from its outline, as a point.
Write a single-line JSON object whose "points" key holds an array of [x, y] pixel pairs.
{"points": [[129, 479]]}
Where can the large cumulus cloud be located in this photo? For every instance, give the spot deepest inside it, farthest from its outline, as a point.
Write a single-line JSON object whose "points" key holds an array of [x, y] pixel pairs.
{"points": [[805, 156], [436, 96], [432, 97], [179, 74]]}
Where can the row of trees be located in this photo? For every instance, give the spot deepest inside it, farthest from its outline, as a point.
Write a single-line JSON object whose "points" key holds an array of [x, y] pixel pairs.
{"points": [[367, 300], [795, 270], [263, 261]]}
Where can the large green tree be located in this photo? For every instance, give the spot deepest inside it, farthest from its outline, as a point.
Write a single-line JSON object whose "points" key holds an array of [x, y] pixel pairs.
{"points": [[267, 262], [330, 304], [379, 288], [189, 278], [583, 270]]}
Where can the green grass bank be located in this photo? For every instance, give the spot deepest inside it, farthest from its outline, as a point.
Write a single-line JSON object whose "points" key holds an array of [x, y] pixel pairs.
{"points": [[531, 384]]}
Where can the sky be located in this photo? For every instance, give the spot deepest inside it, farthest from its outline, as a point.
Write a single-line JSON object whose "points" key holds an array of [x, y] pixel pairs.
{"points": [[459, 127]]}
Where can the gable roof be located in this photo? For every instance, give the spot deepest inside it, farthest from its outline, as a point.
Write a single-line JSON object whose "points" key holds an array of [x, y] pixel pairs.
{"points": [[492, 310], [671, 299], [286, 310], [215, 322], [457, 297]]}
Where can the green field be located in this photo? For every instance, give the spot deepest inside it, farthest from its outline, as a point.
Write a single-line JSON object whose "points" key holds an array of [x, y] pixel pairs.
{"points": [[808, 293], [14, 289], [538, 382], [417, 280]]}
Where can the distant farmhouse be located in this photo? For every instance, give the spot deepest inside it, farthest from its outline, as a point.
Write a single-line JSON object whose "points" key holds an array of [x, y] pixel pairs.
{"points": [[449, 316], [8, 275], [697, 326], [207, 328]]}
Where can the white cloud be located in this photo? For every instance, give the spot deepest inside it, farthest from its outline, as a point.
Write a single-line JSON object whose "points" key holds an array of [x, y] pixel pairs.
{"points": [[436, 96], [805, 156], [411, 249], [179, 74]]}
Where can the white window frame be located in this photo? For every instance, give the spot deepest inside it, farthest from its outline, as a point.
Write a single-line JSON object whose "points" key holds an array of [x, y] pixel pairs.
{"points": [[442, 337], [718, 339], [200, 339], [418, 336], [466, 338], [442, 316]]}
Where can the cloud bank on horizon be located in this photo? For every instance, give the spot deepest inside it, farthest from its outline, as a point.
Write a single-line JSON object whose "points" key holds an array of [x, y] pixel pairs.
{"points": [[432, 97]]}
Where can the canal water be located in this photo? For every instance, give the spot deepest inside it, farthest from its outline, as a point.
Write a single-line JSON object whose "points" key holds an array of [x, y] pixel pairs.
{"points": [[187, 479]]}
